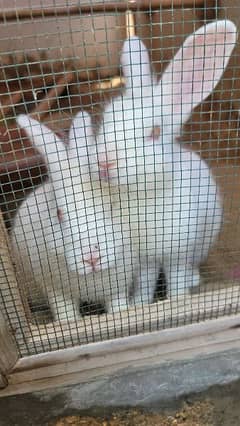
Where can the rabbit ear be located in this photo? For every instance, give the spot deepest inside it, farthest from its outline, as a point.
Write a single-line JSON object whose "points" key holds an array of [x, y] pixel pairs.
{"points": [[81, 138], [197, 68], [81, 128], [46, 141], [135, 64]]}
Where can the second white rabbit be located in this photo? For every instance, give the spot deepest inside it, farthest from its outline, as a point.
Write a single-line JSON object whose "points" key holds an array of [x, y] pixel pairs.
{"points": [[174, 203]]}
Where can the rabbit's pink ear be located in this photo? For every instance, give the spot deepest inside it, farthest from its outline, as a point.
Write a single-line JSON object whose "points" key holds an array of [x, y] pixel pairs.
{"points": [[45, 140], [81, 139], [135, 64], [197, 68]]}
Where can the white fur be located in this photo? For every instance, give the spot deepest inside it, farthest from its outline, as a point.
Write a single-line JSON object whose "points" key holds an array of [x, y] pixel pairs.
{"points": [[175, 208], [50, 252]]}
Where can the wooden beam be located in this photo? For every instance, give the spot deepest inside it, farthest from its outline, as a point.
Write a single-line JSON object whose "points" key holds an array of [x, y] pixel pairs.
{"points": [[84, 363], [8, 351], [10, 14], [46, 104], [12, 309]]}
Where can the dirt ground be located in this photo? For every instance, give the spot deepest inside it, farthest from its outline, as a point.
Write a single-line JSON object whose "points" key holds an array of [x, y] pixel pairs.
{"points": [[198, 414], [217, 407]]}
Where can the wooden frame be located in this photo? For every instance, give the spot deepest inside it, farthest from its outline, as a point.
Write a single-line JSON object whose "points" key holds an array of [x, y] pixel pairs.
{"points": [[9, 324], [8, 352], [88, 362], [98, 6], [167, 330]]}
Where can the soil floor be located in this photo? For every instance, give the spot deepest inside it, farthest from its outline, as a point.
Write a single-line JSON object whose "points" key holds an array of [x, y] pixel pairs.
{"points": [[219, 406]]}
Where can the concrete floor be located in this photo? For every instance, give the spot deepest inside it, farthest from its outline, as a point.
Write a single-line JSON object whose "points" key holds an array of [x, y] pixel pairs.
{"points": [[153, 389]]}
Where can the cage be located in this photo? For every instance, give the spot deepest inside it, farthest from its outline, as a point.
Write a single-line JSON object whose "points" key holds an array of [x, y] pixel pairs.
{"points": [[78, 95]]}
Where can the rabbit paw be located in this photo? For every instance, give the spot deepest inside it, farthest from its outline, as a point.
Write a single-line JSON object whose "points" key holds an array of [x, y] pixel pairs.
{"points": [[64, 310], [182, 281]]}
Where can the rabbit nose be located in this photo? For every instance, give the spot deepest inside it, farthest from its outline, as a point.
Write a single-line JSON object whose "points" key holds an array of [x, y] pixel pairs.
{"points": [[92, 260], [105, 166]]}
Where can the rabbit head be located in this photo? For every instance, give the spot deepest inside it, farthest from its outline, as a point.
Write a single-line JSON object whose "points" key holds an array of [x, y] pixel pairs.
{"points": [[143, 122], [82, 218]]}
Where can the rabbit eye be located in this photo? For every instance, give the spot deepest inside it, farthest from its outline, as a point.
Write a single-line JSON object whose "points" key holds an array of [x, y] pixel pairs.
{"points": [[96, 247], [60, 215]]}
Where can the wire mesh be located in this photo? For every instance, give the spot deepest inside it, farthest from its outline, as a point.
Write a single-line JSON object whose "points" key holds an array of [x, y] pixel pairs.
{"points": [[111, 174]]}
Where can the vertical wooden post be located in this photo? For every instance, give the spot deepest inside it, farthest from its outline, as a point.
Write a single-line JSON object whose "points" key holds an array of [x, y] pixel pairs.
{"points": [[8, 351], [8, 348], [12, 306]]}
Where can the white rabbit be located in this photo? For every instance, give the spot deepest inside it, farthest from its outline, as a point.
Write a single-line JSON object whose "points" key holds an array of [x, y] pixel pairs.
{"points": [[175, 208], [65, 237]]}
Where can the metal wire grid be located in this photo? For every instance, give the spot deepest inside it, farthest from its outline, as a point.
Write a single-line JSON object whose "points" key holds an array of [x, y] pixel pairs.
{"points": [[65, 89]]}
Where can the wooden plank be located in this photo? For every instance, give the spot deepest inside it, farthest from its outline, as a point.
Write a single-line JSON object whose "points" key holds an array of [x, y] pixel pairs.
{"points": [[8, 351], [13, 310], [9, 323], [16, 13], [96, 354], [82, 364], [164, 314]]}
